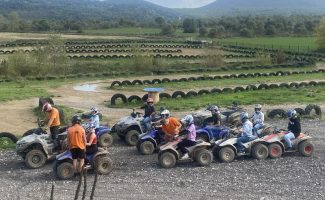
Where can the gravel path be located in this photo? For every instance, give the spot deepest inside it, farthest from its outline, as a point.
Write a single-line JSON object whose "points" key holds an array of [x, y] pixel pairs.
{"points": [[139, 177]]}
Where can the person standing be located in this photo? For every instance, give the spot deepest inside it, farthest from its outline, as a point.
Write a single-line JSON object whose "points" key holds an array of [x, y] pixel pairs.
{"points": [[76, 140], [53, 122]]}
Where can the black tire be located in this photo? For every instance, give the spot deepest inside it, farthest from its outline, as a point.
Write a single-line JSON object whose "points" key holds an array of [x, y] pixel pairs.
{"points": [[306, 148], [215, 152], [263, 86], [116, 83], [165, 80], [137, 82], [190, 94], [35, 159], [203, 157], [117, 96], [273, 86], [277, 113], [156, 81], [251, 87], [106, 140], [275, 150], [64, 171], [134, 98], [167, 160], [216, 90], [227, 90], [177, 94], [126, 83], [164, 95], [191, 79], [300, 111], [131, 137], [103, 164], [11, 136], [239, 89], [311, 107], [294, 85], [147, 148], [203, 92], [284, 85], [226, 154], [260, 151], [146, 82], [183, 80]]}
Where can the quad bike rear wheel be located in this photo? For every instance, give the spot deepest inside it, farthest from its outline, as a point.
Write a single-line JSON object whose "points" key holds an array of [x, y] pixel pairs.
{"points": [[103, 165], [275, 150], [260, 151], [203, 157], [64, 170], [147, 148], [226, 154], [35, 159], [105, 140], [132, 137], [167, 160], [306, 148]]}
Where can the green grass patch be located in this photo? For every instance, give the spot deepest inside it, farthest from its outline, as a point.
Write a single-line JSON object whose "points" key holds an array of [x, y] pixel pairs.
{"points": [[124, 31], [270, 97], [284, 43], [6, 143], [171, 86]]}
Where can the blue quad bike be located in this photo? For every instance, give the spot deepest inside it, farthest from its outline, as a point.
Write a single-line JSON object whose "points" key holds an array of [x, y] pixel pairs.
{"points": [[149, 142], [99, 161], [212, 133]]}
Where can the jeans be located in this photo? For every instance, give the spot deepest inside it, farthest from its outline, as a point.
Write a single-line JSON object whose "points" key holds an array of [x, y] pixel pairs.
{"points": [[244, 139], [288, 137], [185, 143], [147, 122], [257, 127]]}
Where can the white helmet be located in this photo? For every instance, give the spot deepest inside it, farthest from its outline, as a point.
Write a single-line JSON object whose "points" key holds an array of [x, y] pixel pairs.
{"points": [[188, 119], [94, 110], [243, 116], [47, 107], [165, 113], [258, 106]]}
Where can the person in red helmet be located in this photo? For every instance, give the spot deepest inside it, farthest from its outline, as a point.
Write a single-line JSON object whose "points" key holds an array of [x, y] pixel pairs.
{"points": [[53, 123]]}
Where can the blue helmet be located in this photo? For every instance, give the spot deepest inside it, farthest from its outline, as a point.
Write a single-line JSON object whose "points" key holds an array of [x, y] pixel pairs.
{"points": [[243, 116]]}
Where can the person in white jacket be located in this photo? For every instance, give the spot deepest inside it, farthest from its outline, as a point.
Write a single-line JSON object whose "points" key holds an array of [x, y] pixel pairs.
{"points": [[258, 119]]}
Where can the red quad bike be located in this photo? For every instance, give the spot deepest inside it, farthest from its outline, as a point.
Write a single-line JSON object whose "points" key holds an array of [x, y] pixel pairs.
{"points": [[277, 145]]}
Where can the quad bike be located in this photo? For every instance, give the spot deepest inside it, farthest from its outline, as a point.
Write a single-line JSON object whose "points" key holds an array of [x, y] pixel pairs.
{"points": [[150, 141], [212, 133], [169, 153], [277, 145], [129, 128], [99, 161]]}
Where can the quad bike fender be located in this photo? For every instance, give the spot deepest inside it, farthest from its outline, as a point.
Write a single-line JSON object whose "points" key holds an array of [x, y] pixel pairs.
{"points": [[229, 142], [64, 156], [102, 130], [151, 140], [201, 145], [101, 153], [298, 140], [203, 132]]}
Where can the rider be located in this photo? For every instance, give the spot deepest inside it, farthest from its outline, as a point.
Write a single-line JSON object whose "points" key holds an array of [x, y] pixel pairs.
{"points": [[258, 119], [76, 140], [170, 125], [216, 115], [94, 119], [53, 116], [187, 122], [294, 128], [149, 111], [91, 140], [247, 134]]}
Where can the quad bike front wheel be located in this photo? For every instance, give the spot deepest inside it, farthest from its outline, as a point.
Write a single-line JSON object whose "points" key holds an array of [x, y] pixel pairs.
{"points": [[132, 137], [260, 151], [35, 159], [105, 140], [275, 150], [147, 148], [226, 154], [64, 170], [306, 148], [103, 165], [203, 157], [167, 160]]}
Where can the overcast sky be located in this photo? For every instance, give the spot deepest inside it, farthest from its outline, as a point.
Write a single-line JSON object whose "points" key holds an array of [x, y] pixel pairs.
{"points": [[181, 3]]}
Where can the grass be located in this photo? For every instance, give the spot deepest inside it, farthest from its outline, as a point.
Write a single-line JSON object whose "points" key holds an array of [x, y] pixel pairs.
{"points": [[284, 43], [271, 97], [172, 86], [125, 31], [6, 143]]}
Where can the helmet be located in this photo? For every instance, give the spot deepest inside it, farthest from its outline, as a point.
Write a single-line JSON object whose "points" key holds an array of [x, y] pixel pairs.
{"points": [[47, 107], [76, 119], [188, 119], [292, 113], [258, 106], [243, 116], [213, 108], [89, 126], [94, 110], [165, 113], [150, 100]]}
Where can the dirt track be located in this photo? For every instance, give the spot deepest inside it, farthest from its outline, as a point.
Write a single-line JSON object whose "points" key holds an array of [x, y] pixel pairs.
{"points": [[139, 177]]}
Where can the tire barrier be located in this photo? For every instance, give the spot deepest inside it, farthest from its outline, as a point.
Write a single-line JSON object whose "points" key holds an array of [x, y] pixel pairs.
{"points": [[277, 113], [156, 81], [137, 82], [134, 98], [116, 83], [314, 107], [146, 82], [11, 136], [181, 94], [302, 112], [126, 83], [118, 96], [165, 80]]}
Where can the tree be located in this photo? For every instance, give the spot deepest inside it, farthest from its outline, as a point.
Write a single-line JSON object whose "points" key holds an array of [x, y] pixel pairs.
{"points": [[13, 22], [213, 33], [160, 21], [190, 26], [320, 35], [3, 23], [300, 28], [203, 31], [245, 32], [168, 30]]}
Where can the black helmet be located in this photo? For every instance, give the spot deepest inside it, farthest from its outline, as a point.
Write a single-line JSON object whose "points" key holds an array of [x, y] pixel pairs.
{"points": [[76, 119]]}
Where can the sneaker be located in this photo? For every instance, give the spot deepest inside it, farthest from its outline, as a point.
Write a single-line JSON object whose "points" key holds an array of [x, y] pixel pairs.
{"points": [[185, 156]]}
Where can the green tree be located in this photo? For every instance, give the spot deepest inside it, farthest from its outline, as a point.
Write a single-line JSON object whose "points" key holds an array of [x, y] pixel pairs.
{"points": [[168, 30], [189, 25], [203, 31], [320, 35], [3, 23], [160, 21], [13, 22]]}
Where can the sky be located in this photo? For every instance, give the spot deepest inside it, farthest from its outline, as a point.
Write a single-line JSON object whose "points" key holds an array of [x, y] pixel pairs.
{"points": [[181, 3]]}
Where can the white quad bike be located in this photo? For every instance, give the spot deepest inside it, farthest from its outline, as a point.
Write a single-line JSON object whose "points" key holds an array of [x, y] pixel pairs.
{"points": [[169, 153]]}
